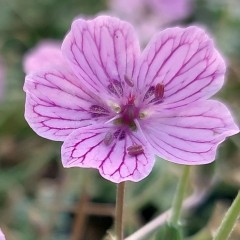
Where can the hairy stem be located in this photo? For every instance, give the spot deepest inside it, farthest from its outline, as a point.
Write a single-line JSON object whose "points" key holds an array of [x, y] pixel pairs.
{"points": [[229, 220], [180, 193], [119, 210]]}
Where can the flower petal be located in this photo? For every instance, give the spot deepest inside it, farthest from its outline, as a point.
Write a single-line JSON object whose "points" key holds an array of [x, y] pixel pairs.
{"points": [[45, 54], [56, 104], [101, 51], [86, 148], [2, 237], [172, 10], [190, 135], [185, 61]]}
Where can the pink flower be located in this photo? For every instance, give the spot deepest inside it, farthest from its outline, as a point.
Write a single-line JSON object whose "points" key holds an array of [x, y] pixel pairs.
{"points": [[2, 237], [171, 10], [115, 107], [44, 54], [167, 10], [150, 15]]}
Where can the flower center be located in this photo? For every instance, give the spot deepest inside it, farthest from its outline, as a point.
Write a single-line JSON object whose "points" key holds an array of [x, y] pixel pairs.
{"points": [[129, 113]]}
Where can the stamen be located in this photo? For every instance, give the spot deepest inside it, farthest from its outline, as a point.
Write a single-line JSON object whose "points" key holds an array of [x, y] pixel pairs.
{"points": [[116, 108], [142, 115], [135, 150], [129, 81], [108, 138], [159, 91]]}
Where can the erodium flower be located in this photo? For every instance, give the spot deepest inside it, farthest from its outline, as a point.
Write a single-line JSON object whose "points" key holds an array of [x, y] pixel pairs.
{"points": [[46, 53], [115, 107], [167, 10], [150, 15]]}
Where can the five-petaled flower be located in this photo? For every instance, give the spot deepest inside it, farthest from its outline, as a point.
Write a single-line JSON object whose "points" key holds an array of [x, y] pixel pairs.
{"points": [[46, 53], [115, 107], [150, 15]]}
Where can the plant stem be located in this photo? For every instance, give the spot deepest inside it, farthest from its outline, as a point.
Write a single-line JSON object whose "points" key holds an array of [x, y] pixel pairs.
{"points": [[229, 220], [180, 193], [119, 210]]}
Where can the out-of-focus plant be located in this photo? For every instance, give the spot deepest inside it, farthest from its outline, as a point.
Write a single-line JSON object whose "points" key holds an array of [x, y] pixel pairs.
{"points": [[115, 110], [150, 16], [31, 176]]}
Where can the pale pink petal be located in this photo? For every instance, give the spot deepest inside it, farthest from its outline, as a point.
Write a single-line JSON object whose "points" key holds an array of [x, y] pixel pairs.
{"points": [[2, 237], [185, 62], [125, 8], [190, 135], [164, 11], [56, 104], [45, 54], [86, 148], [171, 10], [101, 51]]}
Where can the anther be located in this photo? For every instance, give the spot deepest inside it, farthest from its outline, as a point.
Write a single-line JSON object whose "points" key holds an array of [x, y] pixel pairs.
{"points": [[108, 138], [135, 150], [128, 81], [142, 115], [159, 91], [114, 106]]}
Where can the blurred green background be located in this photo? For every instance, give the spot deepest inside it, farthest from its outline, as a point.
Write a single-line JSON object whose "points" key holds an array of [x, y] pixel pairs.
{"points": [[41, 200]]}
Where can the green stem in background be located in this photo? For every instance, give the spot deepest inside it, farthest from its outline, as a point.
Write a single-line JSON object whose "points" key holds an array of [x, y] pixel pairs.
{"points": [[229, 220], [180, 193], [119, 210]]}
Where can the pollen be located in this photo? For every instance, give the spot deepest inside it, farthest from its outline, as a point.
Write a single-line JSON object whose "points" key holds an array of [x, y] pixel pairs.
{"points": [[159, 91], [135, 150], [143, 115], [115, 107]]}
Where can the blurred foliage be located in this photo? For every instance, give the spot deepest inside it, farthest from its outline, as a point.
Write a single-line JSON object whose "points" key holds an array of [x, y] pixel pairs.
{"points": [[38, 198], [169, 232]]}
